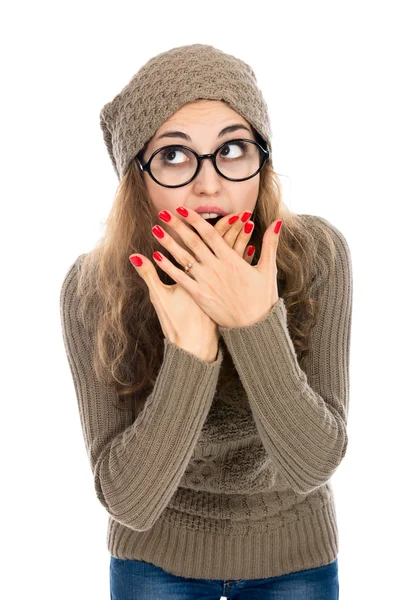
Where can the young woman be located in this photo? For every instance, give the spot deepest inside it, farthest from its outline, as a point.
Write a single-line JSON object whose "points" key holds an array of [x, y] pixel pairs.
{"points": [[208, 336]]}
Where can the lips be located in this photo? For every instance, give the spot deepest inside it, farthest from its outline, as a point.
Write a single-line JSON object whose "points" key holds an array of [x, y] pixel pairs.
{"points": [[211, 209]]}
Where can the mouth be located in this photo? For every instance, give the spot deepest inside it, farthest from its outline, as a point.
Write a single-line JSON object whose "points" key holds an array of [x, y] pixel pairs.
{"points": [[213, 221]]}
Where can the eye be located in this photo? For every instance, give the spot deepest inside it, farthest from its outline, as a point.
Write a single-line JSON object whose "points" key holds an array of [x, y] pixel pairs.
{"points": [[174, 156], [241, 150]]}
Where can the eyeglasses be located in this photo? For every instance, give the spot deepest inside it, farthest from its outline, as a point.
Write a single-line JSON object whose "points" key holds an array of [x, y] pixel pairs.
{"points": [[177, 165]]}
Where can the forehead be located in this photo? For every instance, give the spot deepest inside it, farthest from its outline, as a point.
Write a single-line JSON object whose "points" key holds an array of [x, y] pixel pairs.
{"points": [[198, 118]]}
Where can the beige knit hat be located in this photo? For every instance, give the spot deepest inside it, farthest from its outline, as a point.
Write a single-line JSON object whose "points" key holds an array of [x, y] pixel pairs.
{"points": [[167, 82]]}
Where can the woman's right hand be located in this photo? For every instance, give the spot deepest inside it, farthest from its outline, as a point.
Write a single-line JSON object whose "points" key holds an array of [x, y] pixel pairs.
{"points": [[182, 320]]}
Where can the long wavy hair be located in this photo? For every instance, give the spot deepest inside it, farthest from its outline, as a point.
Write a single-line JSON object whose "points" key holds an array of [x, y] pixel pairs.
{"points": [[114, 300]]}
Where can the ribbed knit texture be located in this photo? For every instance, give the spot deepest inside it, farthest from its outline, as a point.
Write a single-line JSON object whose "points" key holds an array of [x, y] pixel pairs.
{"points": [[215, 490], [167, 82]]}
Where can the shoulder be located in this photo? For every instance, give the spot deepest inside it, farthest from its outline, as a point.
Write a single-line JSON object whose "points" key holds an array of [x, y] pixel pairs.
{"points": [[72, 271], [69, 284], [321, 228], [333, 250]]}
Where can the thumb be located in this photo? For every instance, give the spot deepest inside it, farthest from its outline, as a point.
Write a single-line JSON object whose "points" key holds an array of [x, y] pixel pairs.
{"points": [[270, 245]]}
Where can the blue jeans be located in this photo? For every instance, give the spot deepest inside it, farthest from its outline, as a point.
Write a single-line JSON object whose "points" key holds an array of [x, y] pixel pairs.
{"points": [[139, 580]]}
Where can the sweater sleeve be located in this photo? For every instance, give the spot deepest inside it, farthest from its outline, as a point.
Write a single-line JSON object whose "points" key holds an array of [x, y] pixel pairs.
{"points": [[137, 464], [301, 416]]}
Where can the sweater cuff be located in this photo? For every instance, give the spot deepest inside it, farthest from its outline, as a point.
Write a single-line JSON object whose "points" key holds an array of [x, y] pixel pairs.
{"points": [[265, 348]]}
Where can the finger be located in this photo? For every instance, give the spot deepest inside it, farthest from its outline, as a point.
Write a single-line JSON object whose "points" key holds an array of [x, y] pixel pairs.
{"points": [[229, 231], [244, 237], [239, 239], [181, 277], [208, 236], [197, 234], [182, 256], [249, 257], [235, 234], [147, 271]]}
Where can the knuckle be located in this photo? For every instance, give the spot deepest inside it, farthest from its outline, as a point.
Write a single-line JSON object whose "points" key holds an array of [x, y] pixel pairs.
{"points": [[209, 234], [147, 274], [194, 242], [186, 259]]}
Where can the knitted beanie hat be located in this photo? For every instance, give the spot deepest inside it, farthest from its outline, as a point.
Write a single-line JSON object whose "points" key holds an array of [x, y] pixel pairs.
{"points": [[167, 82]]}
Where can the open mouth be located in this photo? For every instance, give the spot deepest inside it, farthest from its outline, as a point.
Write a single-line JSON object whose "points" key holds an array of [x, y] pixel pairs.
{"points": [[214, 220]]}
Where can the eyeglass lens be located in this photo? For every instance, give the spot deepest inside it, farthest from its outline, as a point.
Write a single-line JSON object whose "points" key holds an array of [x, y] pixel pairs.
{"points": [[175, 165]]}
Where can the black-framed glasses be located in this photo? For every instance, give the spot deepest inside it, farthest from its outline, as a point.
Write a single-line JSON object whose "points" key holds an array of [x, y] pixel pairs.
{"points": [[177, 165]]}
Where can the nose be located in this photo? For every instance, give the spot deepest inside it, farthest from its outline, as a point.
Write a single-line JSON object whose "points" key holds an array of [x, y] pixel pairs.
{"points": [[207, 169]]}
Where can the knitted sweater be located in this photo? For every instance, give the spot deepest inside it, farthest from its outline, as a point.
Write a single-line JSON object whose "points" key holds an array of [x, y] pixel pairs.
{"points": [[211, 489]]}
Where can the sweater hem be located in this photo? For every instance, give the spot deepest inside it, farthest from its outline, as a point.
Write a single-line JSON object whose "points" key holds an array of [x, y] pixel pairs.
{"points": [[307, 543]]}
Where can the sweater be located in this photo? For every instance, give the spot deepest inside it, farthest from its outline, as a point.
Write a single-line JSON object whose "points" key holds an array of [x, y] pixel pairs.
{"points": [[205, 488]]}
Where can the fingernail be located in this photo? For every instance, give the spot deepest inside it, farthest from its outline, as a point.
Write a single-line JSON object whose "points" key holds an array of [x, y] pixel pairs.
{"points": [[278, 226], [165, 216], [246, 216], [157, 231], [233, 219], [157, 256], [136, 260], [182, 211], [248, 227], [250, 250]]}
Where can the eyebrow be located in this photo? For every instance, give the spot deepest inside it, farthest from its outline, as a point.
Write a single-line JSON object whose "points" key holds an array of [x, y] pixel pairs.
{"points": [[185, 136]]}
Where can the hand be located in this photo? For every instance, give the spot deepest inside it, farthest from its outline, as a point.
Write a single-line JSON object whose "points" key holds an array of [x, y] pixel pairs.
{"points": [[227, 288], [182, 320]]}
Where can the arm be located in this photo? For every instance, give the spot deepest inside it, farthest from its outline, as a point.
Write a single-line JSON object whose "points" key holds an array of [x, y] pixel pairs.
{"points": [[137, 466], [301, 418]]}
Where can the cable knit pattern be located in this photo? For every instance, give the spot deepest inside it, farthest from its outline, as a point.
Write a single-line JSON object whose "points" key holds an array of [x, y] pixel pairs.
{"points": [[209, 489], [167, 82]]}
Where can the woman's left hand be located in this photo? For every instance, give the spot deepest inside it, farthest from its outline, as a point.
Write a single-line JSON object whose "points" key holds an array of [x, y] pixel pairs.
{"points": [[228, 289]]}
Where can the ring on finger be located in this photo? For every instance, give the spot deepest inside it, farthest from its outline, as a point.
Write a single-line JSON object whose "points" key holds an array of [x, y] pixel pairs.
{"points": [[189, 265]]}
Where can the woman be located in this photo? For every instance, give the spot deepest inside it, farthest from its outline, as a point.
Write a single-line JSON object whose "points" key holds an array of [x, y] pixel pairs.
{"points": [[212, 382]]}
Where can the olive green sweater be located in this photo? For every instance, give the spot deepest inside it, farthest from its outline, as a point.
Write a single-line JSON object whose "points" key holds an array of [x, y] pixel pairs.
{"points": [[235, 486]]}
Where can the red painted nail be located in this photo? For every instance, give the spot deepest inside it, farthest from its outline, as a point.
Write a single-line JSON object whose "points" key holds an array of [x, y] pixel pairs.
{"points": [[158, 231], [233, 219], [250, 250], [157, 256], [182, 211], [246, 216], [136, 260], [248, 227], [165, 216], [278, 226]]}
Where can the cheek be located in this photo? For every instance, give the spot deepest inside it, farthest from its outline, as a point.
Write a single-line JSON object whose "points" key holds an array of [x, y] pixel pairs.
{"points": [[158, 196], [166, 199], [252, 189], [244, 196]]}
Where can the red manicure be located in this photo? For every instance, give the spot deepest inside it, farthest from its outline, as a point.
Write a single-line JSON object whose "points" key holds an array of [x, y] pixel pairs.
{"points": [[165, 216], [248, 227], [136, 260], [157, 231], [182, 211]]}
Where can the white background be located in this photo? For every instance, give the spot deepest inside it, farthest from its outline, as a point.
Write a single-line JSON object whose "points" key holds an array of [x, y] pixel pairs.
{"points": [[329, 74]]}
